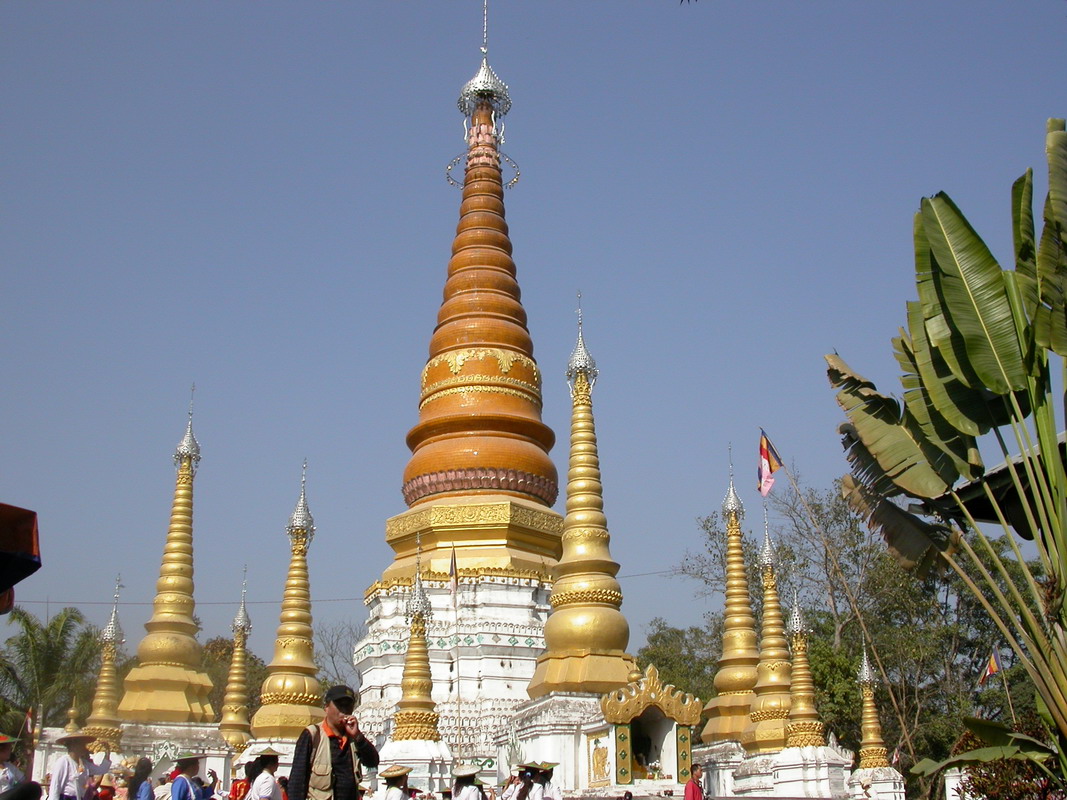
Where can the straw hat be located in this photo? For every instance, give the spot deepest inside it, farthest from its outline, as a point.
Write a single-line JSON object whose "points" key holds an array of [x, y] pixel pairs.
{"points": [[464, 771], [394, 771], [77, 736]]}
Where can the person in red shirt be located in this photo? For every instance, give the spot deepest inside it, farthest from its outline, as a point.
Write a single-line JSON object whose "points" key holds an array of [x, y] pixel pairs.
{"points": [[694, 789]]}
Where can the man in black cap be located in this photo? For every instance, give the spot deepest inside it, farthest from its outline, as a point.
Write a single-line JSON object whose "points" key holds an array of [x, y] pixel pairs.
{"points": [[328, 756]]}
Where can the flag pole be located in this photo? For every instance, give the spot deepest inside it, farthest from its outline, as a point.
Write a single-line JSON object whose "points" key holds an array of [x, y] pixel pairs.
{"points": [[1007, 692], [854, 604]]}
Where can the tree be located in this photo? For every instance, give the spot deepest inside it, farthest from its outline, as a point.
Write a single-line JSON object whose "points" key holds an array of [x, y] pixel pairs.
{"points": [[335, 646], [685, 657], [47, 666], [977, 356]]}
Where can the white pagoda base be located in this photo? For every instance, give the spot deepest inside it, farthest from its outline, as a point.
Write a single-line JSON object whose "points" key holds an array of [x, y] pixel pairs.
{"points": [[812, 772], [754, 777], [878, 783], [430, 762]]}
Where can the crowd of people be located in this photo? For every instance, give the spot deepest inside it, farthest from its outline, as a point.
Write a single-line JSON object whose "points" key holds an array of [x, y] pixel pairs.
{"points": [[328, 764]]}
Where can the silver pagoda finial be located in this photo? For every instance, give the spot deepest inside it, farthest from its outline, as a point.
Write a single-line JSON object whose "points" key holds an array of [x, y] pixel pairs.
{"points": [[796, 626], [301, 519], [485, 86], [112, 632], [767, 559], [865, 676], [242, 623], [732, 504], [188, 447], [418, 603], [581, 362]]}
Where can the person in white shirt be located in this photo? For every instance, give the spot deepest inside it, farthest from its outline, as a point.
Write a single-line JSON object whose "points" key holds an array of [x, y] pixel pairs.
{"points": [[72, 772], [10, 775], [266, 786], [464, 788], [511, 787], [529, 789], [396, 781], [552, 791]]}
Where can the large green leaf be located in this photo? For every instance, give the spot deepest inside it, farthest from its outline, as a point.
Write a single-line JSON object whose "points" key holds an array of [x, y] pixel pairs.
{"points": [[1022, 225], [981, 755], [891, 437], [974, 296], [960, 446], [1050, 322], [913, 541]]}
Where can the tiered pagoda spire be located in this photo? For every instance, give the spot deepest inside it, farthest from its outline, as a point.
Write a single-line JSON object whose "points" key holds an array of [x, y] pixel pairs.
{"points": [[769, 712], [480, 479], [291, 695], [805, 729], [728, 711], [586, 634], [104, 722], [168, 684], [235, 727], [416, 714], [873, 752]]}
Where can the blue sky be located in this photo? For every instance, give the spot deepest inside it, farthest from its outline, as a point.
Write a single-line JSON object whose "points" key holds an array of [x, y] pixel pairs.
{"points": [[251, 196]]}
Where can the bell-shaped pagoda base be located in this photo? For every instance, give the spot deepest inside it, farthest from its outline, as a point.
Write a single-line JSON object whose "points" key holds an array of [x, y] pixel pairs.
{"points": [[166, 693]]}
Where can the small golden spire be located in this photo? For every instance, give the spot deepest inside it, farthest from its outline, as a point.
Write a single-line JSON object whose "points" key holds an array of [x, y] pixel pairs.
{"points": [[169, 684], [291, 694], [586, 633], [805, 729], [770, 702], [104, 722], [416, 714], [235, 727], [728, 711], [873, 752], [72, 725]]}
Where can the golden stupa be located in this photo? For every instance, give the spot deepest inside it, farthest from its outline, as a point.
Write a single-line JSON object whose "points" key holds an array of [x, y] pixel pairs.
{"points": [[235, 727], [769, 712], [480, 479], [168, 684], [416, 713], [873, 752], [728, 711], [586, 633], [104, 722], [291, 695], [804, 729]]}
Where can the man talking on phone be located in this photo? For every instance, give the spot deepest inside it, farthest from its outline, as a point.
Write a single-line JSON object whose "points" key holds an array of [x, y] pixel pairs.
{"points": [[328, 760]]}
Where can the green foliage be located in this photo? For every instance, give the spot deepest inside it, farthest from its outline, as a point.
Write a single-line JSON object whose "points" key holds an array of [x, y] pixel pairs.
{"points": [[48, 666], [977, 356], [685, 657]]}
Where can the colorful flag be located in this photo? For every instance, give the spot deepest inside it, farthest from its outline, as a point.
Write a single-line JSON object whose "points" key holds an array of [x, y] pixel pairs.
{"points": [[769, 463], [453, 576], [992, 667]]}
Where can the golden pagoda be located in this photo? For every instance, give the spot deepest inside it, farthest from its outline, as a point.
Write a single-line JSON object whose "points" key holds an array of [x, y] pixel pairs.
{"points": [[805, 729], [168, 684], [291, 695], [873, 752], [480, 479], [416, 714], [235, 728], [728, 711], [104, 722], [586, 633], [765, 732]]}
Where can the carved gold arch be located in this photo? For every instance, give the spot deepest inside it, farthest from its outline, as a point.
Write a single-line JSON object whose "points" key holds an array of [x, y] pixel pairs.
{"points": [[623, 705]]}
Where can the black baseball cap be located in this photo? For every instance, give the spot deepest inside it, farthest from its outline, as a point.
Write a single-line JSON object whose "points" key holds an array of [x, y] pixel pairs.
{"points": [[339, 692]]}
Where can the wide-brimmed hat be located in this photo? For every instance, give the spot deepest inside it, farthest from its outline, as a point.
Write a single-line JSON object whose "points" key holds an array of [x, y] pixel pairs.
{"points": [[182, 757], [269, 751], [5, 739], [464, 771], [394, 771], [77, 736], [547, 765]]}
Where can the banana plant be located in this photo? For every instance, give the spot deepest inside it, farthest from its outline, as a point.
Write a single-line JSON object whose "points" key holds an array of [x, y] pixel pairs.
{"points": [[978, 352]]}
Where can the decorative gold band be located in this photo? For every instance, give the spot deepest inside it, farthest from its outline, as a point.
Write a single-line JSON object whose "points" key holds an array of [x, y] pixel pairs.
{"points": [[504, 359], [768, 713], [608, 596], [873, 757], [291, 699], [805, 734], [421, 725]]}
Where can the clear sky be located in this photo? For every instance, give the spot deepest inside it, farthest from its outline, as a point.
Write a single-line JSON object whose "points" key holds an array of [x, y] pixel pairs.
{"points": [[251, 196]]}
